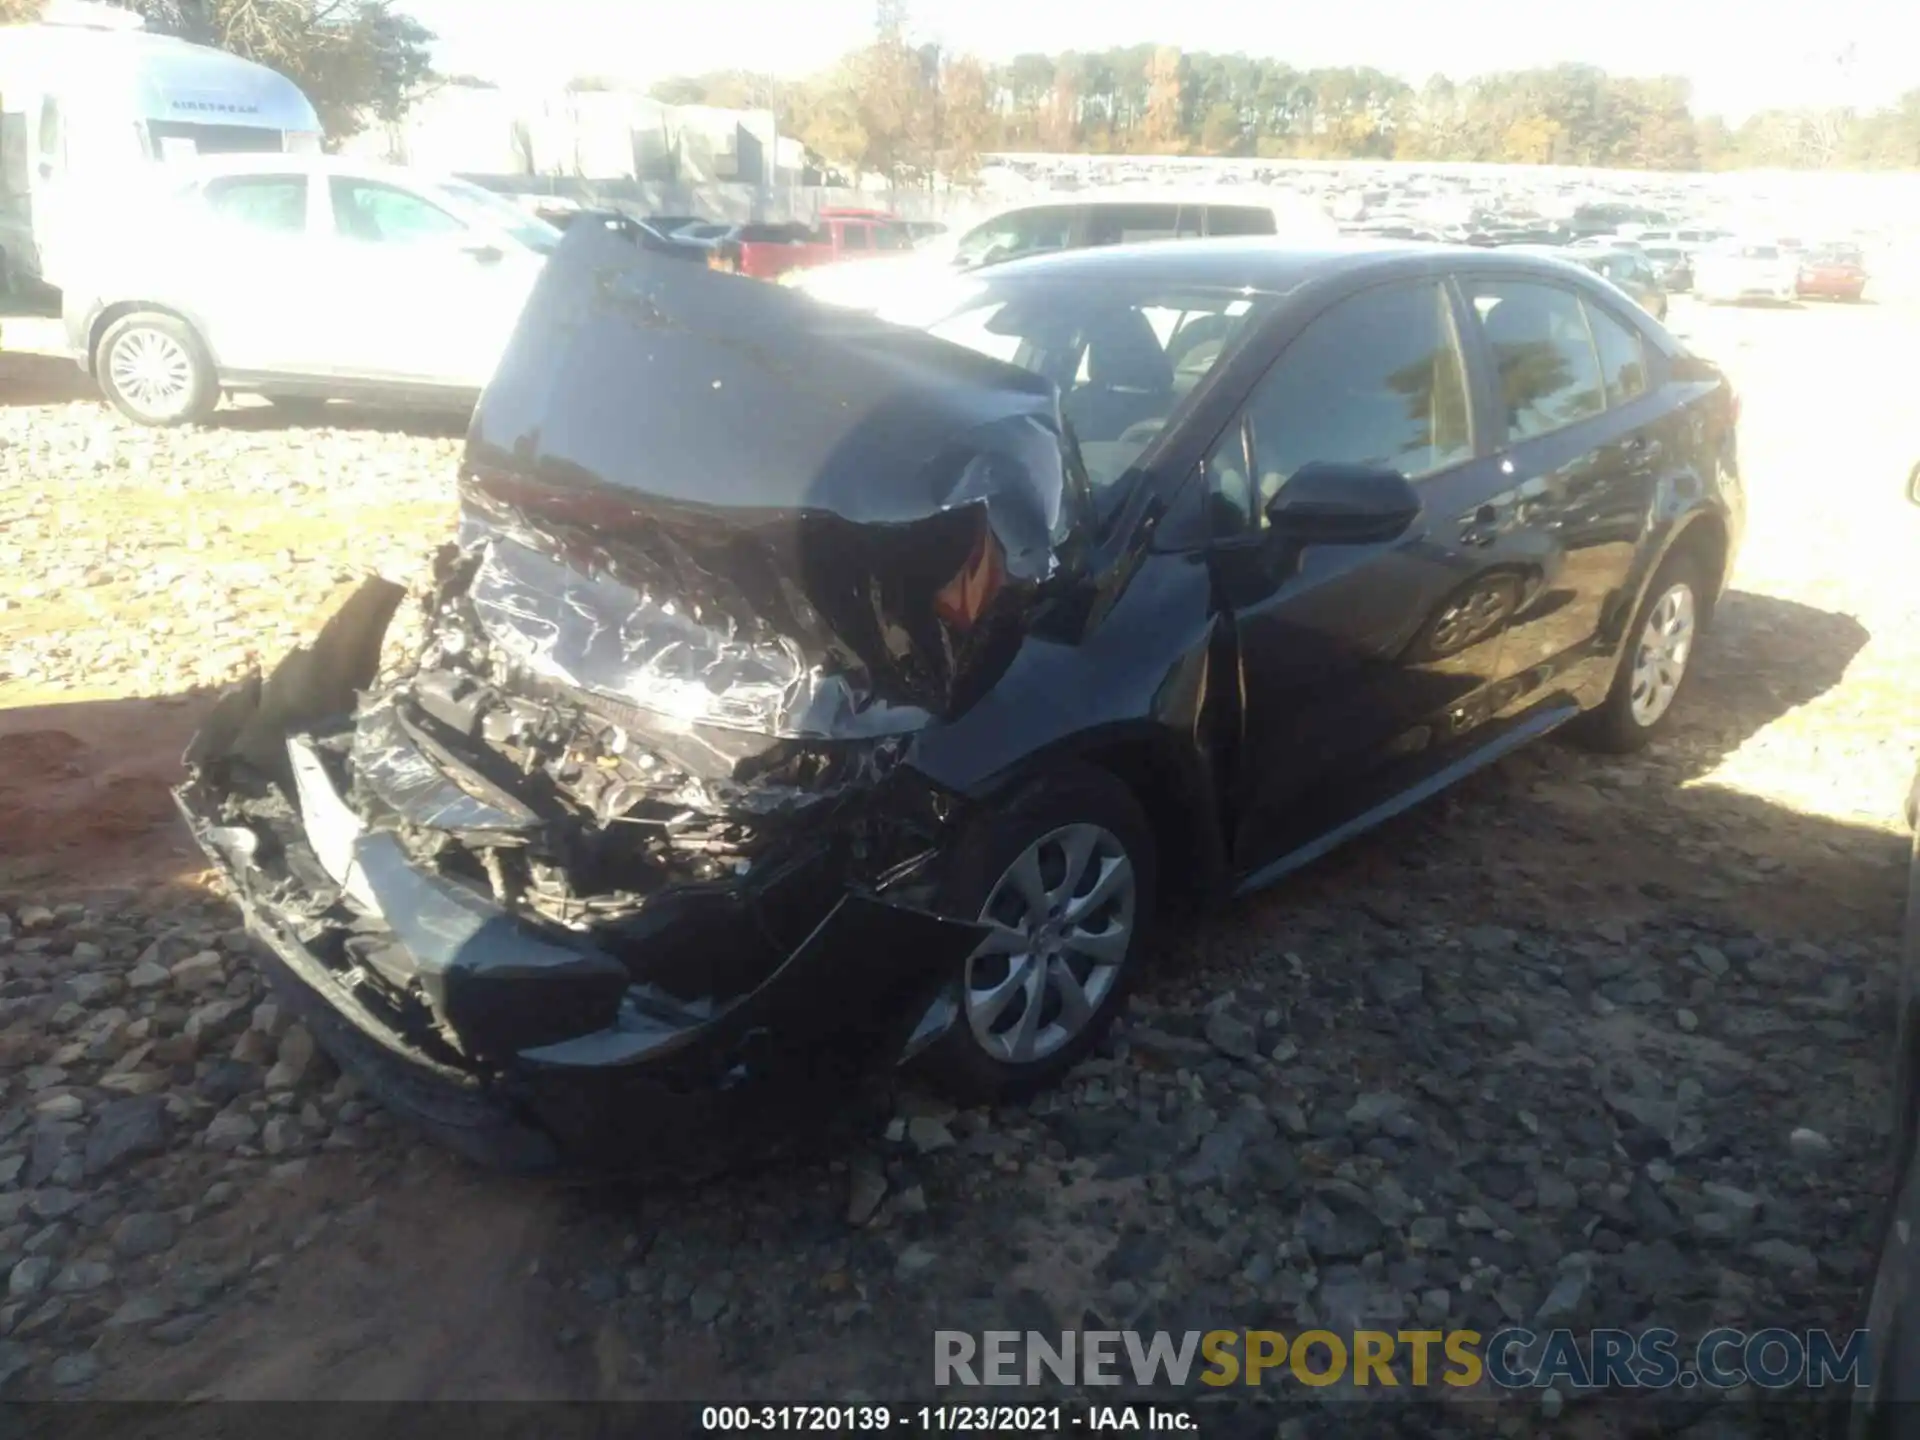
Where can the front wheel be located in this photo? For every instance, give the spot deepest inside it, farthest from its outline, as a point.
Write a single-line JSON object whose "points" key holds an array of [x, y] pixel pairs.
{"points": [[155, 370], [1655, 663], [1063, 877]]}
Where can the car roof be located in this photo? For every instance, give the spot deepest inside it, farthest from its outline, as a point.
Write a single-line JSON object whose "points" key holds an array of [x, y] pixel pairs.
{"points": [[1268, 263], [281, 163]]}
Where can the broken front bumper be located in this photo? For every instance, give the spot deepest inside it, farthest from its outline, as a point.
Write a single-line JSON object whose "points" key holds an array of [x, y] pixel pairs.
{"points": [[527, 1047]]}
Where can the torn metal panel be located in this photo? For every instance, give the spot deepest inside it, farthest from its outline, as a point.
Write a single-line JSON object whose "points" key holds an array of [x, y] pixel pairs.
{"points": [[311, 683]]}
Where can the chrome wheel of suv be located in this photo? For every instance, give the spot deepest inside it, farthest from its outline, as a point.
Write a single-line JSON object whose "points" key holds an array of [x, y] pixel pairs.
{"points": [[155, 370]]}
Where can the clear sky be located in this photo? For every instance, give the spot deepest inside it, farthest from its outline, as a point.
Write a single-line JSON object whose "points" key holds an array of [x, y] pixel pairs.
{"points": [[1740, 55]]}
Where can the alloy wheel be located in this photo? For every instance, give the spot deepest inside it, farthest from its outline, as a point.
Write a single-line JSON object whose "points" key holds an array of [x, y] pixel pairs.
{"points": [[1061, 919], [153, 372], [1660, 659]]}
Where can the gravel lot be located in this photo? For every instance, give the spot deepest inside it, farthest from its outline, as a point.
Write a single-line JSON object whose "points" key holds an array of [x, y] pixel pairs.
{"points": [[1591, 1042]]}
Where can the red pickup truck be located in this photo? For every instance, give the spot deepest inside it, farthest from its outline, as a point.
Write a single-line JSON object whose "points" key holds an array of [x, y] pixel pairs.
{"points": [[766, 252]]}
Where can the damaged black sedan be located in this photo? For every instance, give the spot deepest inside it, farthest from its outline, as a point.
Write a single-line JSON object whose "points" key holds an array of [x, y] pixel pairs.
{"points": [[807, 695]]}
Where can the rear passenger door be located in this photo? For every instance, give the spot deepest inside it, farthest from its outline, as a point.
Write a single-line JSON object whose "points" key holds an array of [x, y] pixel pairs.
{"points": [[1574, 414], [1361, 667]]}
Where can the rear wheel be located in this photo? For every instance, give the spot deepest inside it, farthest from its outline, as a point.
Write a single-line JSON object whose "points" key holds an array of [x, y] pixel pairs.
{"points": [[154, 369], [1064, 879], [1656, 662]]}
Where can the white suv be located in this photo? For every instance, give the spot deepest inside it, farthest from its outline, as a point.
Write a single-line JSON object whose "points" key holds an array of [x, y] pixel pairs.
{"points": [[305, 278]]}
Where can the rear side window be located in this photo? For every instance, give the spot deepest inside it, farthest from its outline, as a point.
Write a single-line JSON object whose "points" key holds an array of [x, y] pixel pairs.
{"points": [[1239, 220], [1623, 356], [1377, 380], [1127, 224], [1543, 353], [273, 204]]}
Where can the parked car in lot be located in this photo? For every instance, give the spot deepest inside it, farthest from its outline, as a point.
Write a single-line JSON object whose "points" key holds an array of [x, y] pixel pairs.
{"points": [[303, 278], [767, 252], [1737, 270], [1087, 220], [1672, 267], [1832, 272], [808, 695], [1631, 270]]}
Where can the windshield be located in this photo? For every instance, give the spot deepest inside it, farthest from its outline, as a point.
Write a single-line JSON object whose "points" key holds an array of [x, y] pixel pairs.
{"points": [[530, 230], [1124, 357]]}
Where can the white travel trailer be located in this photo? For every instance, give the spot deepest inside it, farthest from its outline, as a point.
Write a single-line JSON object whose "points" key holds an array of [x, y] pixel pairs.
{"points": [[89, 99]]}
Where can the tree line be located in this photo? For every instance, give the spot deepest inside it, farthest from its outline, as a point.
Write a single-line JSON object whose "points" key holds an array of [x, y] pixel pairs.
{"points": [[910, 111]]}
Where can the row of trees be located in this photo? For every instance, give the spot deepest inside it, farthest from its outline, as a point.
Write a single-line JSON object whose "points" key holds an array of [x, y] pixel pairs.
{"points": [[909, 110], [357, 60]]}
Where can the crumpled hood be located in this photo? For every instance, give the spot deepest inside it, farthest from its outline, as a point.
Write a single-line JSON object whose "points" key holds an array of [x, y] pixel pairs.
{"points": [[726, 505]]}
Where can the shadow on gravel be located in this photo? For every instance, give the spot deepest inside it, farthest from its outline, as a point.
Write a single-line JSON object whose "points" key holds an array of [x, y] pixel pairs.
{"points": [[420, 422], [29, 378]]}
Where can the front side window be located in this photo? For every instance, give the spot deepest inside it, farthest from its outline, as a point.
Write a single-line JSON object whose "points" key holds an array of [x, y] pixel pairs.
{"points": [[1543, 354], [530, 230], [855, 237], [1623, 356], [378, 214], [269, 204], [1377, 380]]}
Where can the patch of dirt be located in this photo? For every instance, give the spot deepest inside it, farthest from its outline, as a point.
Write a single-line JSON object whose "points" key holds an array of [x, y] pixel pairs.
{"points": [[86, 792]]}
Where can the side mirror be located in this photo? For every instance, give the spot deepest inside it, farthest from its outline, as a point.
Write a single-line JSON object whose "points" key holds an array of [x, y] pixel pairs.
{"points": [[1326, 503], [482, 253]]}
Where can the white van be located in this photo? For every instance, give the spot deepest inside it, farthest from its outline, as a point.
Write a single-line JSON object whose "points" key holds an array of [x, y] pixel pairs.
{"points": [[90, 98]]}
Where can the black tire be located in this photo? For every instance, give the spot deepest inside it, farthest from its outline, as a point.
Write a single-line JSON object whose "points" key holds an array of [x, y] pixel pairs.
{"points": [[1613, 727], [199, 390], [1078, 795]]}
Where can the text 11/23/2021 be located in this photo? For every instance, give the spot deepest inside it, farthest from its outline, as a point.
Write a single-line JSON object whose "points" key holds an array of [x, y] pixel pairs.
{"points": [[949, 1419]]}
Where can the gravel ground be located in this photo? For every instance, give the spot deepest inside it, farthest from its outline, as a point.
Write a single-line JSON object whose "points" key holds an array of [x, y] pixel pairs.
{"points": [[1584, 1042]]}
